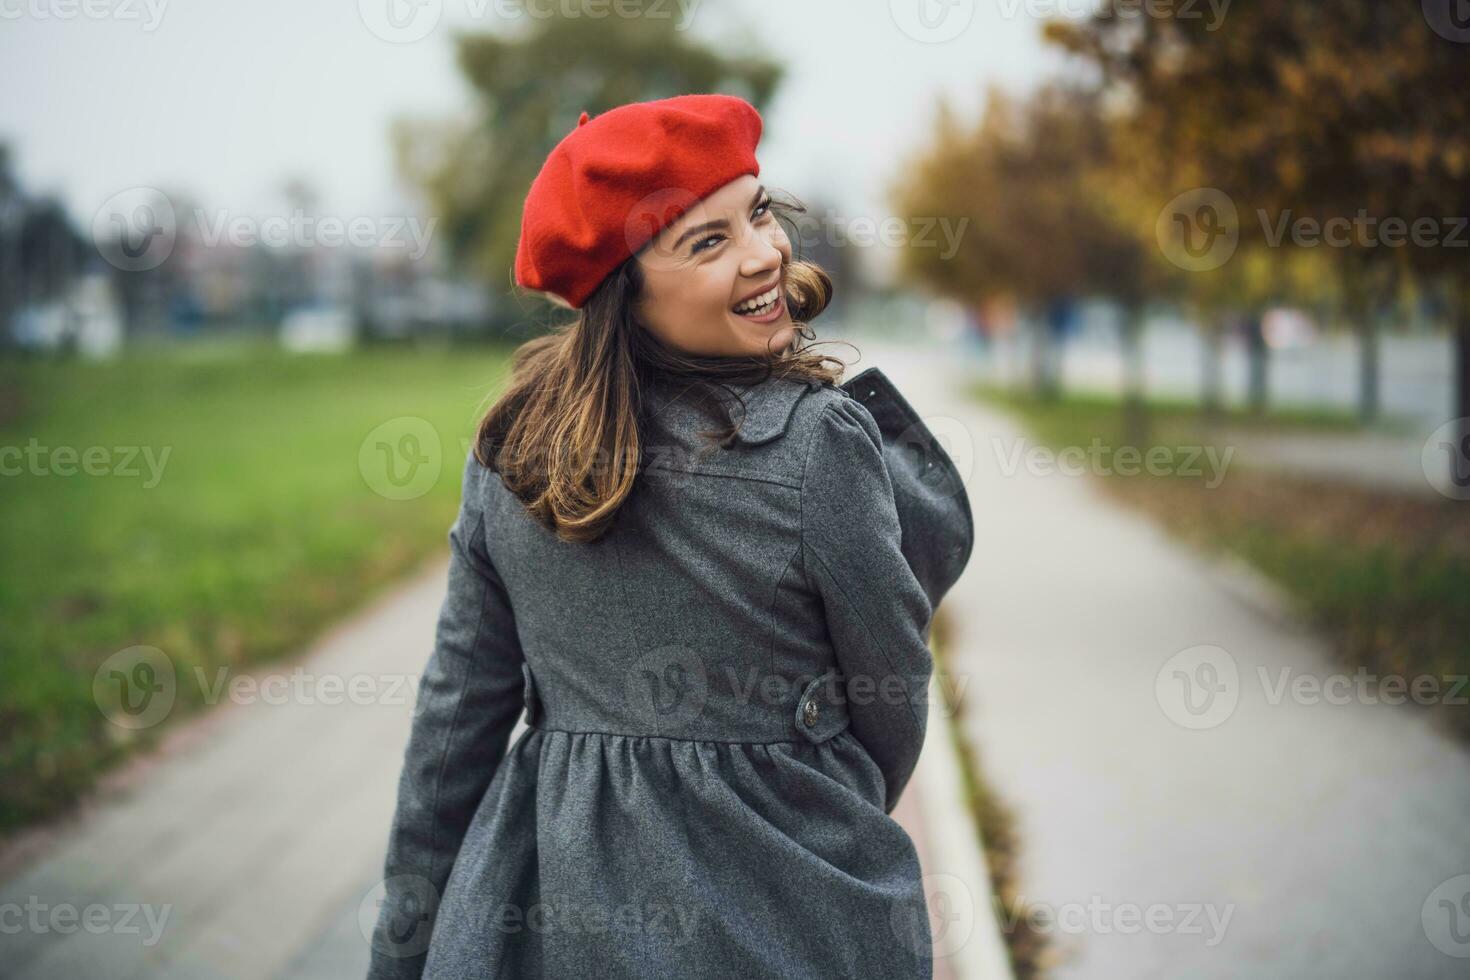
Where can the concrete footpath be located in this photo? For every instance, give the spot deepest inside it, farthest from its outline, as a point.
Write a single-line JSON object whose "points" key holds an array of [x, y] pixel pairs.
{"points": [[1188, 808], [250, 845]]}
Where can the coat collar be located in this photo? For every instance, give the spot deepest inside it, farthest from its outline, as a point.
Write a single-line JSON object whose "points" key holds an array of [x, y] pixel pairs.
{"points": [[762, 412]]}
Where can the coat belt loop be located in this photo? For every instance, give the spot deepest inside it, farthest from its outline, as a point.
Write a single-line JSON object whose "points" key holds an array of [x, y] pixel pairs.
{"points": [[821, 712]]}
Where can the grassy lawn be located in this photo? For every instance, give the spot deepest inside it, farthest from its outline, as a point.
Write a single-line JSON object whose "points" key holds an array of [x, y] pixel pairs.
{"points": [[1385, 577], [225, 520], [1081, 415]]}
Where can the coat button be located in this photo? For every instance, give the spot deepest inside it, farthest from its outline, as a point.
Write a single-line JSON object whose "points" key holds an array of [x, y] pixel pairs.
{"points": [[809, 713]]}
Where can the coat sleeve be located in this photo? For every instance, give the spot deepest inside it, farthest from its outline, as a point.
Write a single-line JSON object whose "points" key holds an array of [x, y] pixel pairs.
{"points": [[877, 612], [468, 701]]}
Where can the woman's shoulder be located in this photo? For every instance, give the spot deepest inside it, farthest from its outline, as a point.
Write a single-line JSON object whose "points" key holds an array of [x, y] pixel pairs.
{"points": [[828, 414], [853, 409]]}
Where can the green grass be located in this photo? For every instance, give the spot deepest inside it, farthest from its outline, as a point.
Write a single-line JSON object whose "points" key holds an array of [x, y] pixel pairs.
{"points": [[260, 531], [1385, 577], [1075, 417]]}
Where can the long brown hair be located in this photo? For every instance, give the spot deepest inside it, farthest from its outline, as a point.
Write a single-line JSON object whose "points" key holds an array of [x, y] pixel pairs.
{"points": [[566, 435]]}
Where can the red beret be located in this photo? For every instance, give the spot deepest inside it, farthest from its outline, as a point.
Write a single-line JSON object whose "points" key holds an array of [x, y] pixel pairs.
{"points": [[615, 181]]}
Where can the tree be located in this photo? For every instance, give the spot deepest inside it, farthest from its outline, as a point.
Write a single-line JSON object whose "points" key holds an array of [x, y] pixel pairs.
{"points": [[1330, 112], [1044, 223], [529, 92]]}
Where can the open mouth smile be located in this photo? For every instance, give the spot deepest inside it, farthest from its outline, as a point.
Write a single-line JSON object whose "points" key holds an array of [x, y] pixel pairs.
{"points": [[763, 308]]}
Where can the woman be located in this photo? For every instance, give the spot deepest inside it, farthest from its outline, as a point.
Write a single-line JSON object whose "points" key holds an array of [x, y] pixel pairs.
{"points": [[706, 573]]}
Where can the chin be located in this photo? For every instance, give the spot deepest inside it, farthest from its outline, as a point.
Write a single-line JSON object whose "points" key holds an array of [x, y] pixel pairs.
{"points": [[755, 337], [773, 340], [782, 337]]}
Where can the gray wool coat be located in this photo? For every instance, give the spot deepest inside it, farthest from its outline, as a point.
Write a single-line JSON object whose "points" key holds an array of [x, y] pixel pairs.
{"points": [[725, 697]]}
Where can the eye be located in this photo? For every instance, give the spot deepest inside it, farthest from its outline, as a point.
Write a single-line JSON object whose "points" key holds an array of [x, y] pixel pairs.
{"points": [[699, 246], [762, 210]]}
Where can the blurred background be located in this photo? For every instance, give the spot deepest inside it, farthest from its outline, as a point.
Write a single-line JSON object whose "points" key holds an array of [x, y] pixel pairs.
{"points": [[1182, 285]]}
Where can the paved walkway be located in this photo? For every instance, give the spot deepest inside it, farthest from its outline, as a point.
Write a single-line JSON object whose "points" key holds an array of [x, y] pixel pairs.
{"points": [[1330, 834], [248, 848], [1374, 460], [258, 837]]}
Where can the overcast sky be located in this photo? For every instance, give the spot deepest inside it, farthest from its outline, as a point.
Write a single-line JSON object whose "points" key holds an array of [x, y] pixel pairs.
{"points": [[227, 100]]}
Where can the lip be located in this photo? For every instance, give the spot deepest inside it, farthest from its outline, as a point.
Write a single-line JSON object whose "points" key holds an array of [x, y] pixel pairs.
{"points": [[771, 317], [766, 288]]}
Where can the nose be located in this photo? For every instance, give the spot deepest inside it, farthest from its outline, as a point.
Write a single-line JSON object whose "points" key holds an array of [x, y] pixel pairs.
{"points": [[762, 257]]}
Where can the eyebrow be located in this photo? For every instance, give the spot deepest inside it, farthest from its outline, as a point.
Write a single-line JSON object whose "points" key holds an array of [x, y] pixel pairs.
{"points": [[718, 222]]}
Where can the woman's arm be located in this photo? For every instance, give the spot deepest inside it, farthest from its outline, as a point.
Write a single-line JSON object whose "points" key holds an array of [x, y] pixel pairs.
{"points": [[877, 611], [468, 701]]}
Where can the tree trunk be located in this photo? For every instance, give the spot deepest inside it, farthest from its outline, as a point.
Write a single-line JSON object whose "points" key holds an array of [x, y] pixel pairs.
{"points": [[1212, 375], [1259, 361], [1368, 358], [1369, 293], [1040, 357], [1459, 457], [1135, 412]]}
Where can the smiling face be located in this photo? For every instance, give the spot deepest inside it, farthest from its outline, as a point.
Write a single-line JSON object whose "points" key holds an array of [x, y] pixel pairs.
{"points": [[700, 271]]}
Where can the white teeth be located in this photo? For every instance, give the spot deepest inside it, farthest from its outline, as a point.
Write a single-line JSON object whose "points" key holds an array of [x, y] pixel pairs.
{"points": [[760, 304]]}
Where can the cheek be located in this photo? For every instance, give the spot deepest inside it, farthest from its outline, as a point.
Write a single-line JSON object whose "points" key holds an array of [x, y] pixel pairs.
{"points": [[680, 306], [711, 293], [777, 237]]}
